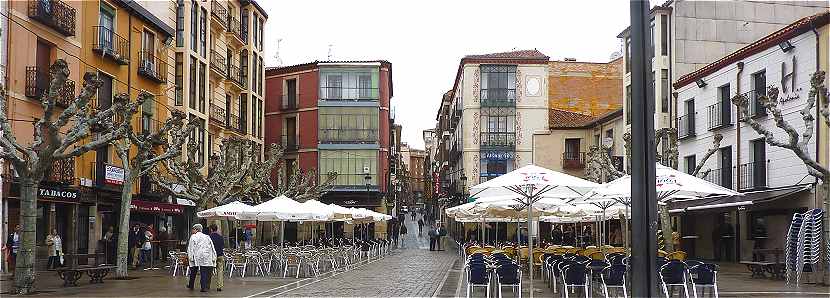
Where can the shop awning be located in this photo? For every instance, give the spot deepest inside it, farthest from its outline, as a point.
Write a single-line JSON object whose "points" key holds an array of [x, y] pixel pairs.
{"points": [[156, 207], [749, 198]]}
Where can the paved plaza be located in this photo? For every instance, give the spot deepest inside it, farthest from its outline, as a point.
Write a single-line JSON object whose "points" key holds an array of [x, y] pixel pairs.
{"points": [[410, 271]]}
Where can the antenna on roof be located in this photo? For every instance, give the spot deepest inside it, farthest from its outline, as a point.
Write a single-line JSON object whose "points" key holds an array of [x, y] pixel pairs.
{"points": [[277, 58], [330, 55]]}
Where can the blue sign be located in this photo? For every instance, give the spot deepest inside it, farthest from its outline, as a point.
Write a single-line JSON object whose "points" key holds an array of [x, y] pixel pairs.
{"points": [[497, 155]]}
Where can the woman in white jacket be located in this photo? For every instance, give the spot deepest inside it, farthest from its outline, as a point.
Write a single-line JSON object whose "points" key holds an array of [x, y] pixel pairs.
{"points": [[54, 245], [202, 256]]}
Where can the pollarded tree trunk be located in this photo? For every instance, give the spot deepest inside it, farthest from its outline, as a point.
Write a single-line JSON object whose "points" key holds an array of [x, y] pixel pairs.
{"points": [[24, 276], [123, 257]]}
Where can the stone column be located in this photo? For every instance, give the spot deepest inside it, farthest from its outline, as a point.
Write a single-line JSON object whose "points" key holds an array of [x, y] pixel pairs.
{"points": [[72, 234]]}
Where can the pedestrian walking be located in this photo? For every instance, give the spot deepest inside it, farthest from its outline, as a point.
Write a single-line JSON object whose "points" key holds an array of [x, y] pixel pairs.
{"points": [[12, 244], [163, 238], [109, 253], [433, 234], [54, 245], [420, 226], [439, 233], [146, 247], [219, 246], [133, 244], [246, 238], [201, 256]]}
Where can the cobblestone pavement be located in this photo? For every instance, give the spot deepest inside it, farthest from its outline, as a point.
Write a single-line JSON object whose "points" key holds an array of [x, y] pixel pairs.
{"points": [[411, 271]]}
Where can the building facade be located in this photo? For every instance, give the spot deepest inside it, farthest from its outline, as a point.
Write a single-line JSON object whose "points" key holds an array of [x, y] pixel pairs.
{"points": [[774, 181], [126, 45], [585, 87], [686, 35], [334, 117]]}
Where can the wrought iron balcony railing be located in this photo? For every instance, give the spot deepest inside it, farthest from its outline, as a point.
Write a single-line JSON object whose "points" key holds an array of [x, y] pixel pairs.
{"points": [[152, 67], [109, 44], [498, 97], [753, 175], [37, 84], [218, 114], [720, 114], [289, 101], [233, 122], [62, 171], [686, 126], [235, 28], [498, 139], [234, 75], [343, 93], [755, 107], [573, 160], [348, 136], [219, 12], [720, 176], [218, 63], [55, 14]]}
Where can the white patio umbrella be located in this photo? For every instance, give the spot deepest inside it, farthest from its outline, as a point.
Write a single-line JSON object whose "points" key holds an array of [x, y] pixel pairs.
{"points": [[532, 183], [227, 211], [670, 183], [280, 209]]}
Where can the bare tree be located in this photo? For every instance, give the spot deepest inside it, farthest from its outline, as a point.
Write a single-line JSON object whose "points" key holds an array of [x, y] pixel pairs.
{"points": [[70, 133], [169, 138], [795, 141]]}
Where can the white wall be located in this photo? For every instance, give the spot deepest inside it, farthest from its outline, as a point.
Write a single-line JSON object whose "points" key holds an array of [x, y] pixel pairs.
{"points": [[784, 168]]}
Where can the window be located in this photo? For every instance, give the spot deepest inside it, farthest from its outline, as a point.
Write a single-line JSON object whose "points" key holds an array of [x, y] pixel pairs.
{"points": [[192, 91], [686, 123], [261, 33], [243, 113], [494, 164], [289, 100], [498, 127], [256, 32], [349, 166], [609, 134], [755, 172], [759, 89], [691, 164], [664, 35], [651, 37], [664, 91], [571, 149], [348, 125], [203, 33], [349, 84], [254, 68], [627, 54], [725, 166], [198, 134], [243, 67], [720, 113], [244, 28], [202, 78], [260, 119], [180, 23], [628, 104], [148, 43], [194, 17], [498, 85], [261, 76], [179, 79], [106, 23]]}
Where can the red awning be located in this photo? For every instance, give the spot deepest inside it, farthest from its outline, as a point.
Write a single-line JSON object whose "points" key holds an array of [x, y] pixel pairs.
{"points": [[155, 207]]}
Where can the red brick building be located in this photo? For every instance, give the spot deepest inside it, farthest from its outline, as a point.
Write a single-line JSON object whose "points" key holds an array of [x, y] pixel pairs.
{"points": [[333, 116]]}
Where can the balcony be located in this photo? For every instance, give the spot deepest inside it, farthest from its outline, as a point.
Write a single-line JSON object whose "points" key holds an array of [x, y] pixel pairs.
{"points": [[498, 97], [111, 45], [720, 115], [686, 126], [753, 175], [722, 177], [343, 94], [218, 63], [235, 76], [235, 29], [62, 171], [148, 187], [498, 139], [234, 123], [152, 67], [289, 101], [348, 136], [219, 13], [54, 13], [290, 143], [573, 160], [756, 110], [37, 84], [218, 114], [150, 126]]}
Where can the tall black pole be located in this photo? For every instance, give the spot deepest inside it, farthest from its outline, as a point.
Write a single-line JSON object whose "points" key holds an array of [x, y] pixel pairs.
{"points": [[643, 194]]}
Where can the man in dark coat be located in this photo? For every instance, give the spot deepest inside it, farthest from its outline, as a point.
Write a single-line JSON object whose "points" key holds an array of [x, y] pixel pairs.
{"points": [[433, 235]]}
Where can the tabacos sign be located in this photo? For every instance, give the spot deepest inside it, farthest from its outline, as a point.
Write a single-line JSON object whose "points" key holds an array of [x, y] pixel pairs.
{"points": [[63, 194]]}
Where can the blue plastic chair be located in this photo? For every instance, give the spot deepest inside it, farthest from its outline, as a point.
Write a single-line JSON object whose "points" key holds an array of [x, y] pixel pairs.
{"points": [[510, 275], [477, 276], [705, 276], [673, 274], [575, 276], [614, 277]]}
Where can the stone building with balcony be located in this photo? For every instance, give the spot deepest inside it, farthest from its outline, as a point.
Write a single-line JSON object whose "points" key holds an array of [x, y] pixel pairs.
{"points": [[125, 44], [774, 181], [334, 116]]}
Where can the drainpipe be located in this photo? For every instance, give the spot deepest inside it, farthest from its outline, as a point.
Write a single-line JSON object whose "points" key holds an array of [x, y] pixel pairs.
{"points": [[818, 121], [738, 126]]}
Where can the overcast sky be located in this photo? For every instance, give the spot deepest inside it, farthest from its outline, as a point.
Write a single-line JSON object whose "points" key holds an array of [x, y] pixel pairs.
{"points": [[425, 40]]}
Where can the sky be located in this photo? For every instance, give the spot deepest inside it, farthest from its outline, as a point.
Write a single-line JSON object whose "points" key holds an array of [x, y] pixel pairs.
{"points": [[425, 40]]}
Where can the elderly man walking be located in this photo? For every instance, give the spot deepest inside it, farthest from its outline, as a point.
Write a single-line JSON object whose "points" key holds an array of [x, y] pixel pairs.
{"points": [[202, 257]]}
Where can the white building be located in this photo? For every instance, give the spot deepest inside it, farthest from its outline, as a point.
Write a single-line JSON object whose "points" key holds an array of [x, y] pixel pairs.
{"points": [[775, 182]]}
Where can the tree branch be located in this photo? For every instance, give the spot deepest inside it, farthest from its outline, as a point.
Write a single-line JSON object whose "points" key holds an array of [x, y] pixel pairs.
{"points": [[716, 139]]}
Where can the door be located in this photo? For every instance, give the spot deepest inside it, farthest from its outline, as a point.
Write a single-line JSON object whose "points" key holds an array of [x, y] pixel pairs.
{"points": [[759, 163], [690, 115], [759, 85], [726, 167], [106, 28], [291, 132], [291, 93], [571, 150], [43, 60]]}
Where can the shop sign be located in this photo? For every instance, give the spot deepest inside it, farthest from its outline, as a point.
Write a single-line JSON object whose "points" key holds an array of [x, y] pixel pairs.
{"points": [[436, 185], [113, 175], [63, 194], [153, 207], [496, 155]]}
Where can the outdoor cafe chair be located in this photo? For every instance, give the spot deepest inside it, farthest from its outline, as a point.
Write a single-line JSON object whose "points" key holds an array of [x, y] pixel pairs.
{"points": [[235, 262], [292, 260], [178, 259], [538, 260], [704, 276], [477, 276], [575, 276], [673, 274], [509, 275], [549, 265], [614, 258], [614, 277], [582, 259]]}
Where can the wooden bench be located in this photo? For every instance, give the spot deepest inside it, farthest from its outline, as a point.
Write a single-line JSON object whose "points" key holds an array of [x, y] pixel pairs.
{"points": [[757, 269], [71, 275]]}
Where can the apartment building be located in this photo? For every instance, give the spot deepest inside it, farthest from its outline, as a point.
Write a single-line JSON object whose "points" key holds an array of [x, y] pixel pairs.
{"points": [[334, 116], [775, 182], [126, 46], [687, 35]]}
